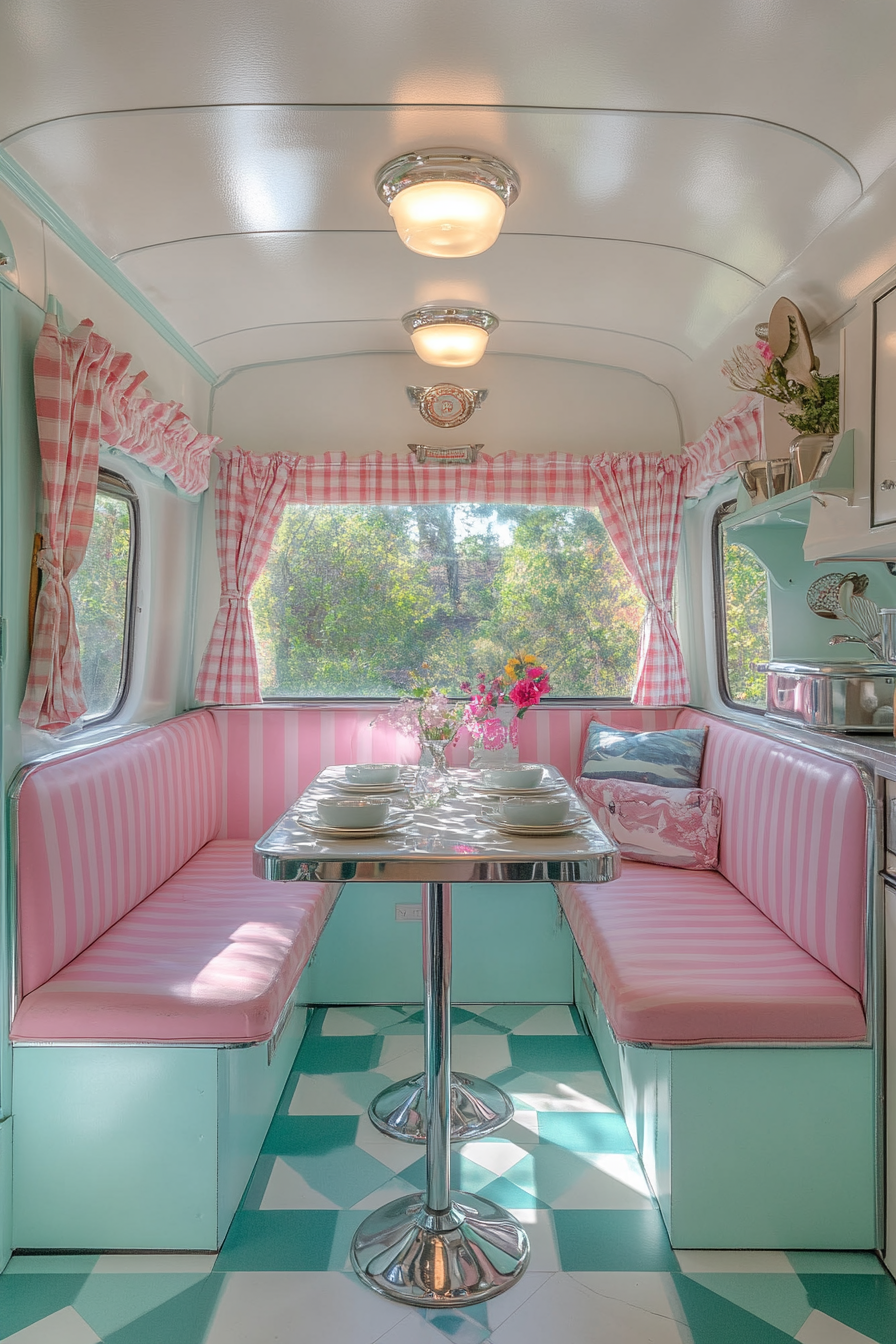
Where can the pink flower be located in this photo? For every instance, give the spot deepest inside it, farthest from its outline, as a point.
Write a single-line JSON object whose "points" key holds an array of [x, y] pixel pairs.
{"points": [[765, 351], [524, 694]]}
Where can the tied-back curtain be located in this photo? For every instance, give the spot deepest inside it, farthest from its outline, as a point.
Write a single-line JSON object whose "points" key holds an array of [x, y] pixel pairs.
{"points": [[69, 376], [85, 395], [641, 500], [250, 495], [640, 496]]}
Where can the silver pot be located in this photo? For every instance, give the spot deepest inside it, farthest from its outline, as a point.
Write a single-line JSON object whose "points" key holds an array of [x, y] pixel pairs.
{"points": [[833, 697], [810, 455], [764, 478]]}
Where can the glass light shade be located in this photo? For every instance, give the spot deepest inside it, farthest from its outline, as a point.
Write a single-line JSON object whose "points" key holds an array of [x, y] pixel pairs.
{"points": [[453, 345], [448, 219]]}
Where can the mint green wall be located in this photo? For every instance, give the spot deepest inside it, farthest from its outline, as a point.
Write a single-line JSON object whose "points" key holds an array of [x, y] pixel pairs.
{"points": [[20, 322]]}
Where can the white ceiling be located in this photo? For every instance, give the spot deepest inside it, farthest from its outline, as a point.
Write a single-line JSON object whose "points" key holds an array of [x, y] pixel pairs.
{"points": [[676, 160]]}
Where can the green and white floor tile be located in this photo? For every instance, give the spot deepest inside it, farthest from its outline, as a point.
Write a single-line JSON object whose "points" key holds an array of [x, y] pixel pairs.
{"points": [[602, 1268]]}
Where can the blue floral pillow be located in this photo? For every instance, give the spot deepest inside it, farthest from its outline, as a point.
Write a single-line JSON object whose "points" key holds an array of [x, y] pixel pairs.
{"points": [[670, 759]]}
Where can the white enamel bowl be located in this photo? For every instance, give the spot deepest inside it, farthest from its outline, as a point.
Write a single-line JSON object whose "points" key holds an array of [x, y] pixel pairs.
{"points": [[353, 814], [513, 777], [534, 811], [374, 773]]}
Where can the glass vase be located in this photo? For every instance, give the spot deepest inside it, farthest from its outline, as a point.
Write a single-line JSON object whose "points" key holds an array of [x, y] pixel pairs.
{"points": [[499, 744], [432, 755]]}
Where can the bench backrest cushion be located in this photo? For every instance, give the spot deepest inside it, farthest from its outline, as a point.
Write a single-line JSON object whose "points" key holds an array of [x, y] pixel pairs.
{"points": [[97, 832], [793, 839]]}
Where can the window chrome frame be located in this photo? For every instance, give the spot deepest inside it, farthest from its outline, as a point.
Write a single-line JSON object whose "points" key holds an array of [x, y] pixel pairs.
{"points": [[112, 483], [720, 615]]}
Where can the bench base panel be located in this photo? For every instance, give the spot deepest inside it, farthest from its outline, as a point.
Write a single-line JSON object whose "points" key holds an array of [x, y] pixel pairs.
{"points": [[748, 1148], [510, 945], [5, 1191], [139, 1147]]}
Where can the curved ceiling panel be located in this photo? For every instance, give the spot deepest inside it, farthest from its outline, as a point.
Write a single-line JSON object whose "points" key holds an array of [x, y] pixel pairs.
{"points": [[211, 286], [781, 61], [745, 192], [358, 404], [296, 341]]}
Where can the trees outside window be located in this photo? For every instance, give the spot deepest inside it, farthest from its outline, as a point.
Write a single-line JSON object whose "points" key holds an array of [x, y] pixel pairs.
{"points": [[100, 592], [354, 598], [746, 624]]}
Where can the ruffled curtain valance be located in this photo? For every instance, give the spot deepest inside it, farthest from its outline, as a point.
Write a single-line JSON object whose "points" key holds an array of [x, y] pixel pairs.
{"points": [[640, 497], [84, 394]]}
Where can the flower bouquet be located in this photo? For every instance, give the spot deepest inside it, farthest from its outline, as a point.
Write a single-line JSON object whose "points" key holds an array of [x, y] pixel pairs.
{"points": [[427, 715], [495, 706], [814, 403]]}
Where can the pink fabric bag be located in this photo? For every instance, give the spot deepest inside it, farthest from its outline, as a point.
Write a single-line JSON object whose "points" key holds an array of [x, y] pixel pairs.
{"points": [[678, 828]]}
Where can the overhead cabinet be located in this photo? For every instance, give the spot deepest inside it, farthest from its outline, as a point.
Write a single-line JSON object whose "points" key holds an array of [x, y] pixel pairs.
{"points": [[883, 410]]}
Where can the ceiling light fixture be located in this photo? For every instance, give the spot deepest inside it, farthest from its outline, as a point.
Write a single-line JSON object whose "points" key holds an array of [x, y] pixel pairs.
{"points": [[447, 202], [451, 337]]}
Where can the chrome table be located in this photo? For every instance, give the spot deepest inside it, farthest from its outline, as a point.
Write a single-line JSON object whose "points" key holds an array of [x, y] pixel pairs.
{"points": [[436, 1248]]}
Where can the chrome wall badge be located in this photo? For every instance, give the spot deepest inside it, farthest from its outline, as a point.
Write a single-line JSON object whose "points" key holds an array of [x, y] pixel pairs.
{"points": [[463, 456], [445, 405]]}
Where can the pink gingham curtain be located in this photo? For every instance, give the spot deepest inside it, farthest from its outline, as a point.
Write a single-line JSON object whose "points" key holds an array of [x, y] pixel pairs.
{"points": [[69, 376], [641, 502], [640, 496], [157, 433], [250, 495], [85, 395]]}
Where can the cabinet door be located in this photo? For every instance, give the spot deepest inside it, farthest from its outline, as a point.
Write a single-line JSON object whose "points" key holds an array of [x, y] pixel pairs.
{"points": [[884, 416]]}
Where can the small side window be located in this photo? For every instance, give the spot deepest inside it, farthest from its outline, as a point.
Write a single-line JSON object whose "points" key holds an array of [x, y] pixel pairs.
{"points": [[742, 625], [102, 591]]}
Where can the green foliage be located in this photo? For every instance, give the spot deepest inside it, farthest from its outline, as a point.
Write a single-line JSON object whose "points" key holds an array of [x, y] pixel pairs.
{"points": [[746, 623], [819, 411], [354, 597], [99, 594]]}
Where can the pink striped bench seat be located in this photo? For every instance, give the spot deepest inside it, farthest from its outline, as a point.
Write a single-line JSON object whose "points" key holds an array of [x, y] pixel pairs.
{"points": [[681, 957], [769, 948], [212, 955], [137, 920]]}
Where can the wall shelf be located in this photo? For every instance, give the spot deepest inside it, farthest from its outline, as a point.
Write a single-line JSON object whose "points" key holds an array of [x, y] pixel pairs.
{"points": [[838, 481]]}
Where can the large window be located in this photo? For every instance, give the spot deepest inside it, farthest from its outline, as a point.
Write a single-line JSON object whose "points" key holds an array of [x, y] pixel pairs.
{"points": [[354, 598], [101, 594], [742, 586]]}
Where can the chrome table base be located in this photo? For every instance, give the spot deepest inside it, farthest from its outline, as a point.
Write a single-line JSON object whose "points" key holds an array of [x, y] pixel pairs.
{"points": [[477, 1108], [470, 1253], [439, 1248]]}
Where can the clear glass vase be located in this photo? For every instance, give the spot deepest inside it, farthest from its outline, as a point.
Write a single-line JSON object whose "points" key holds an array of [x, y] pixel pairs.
{"points": [[432, 755], [499, 744]]}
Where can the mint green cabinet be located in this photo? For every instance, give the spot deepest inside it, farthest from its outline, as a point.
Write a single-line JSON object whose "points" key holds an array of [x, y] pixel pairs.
{"points": [[509, 946]]}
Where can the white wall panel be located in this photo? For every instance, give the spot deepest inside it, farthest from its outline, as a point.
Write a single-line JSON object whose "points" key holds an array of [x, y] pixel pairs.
{"points": [[211, 286], [26, 234], [794, 62], [359, 405], [83, 294], [657, 360], [746, 192]]}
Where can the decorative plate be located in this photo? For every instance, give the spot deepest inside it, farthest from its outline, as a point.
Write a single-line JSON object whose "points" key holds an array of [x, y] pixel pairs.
{"points": [[349, 833], [345, 787], [553, 828], [540, 791], [446, 405]]}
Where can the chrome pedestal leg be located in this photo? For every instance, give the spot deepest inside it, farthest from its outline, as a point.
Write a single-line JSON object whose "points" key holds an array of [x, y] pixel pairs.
{"points": [[477, 1108], [439, 1248]]}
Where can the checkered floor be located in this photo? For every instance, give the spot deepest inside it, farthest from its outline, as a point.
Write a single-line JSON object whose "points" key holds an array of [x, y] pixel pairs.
{"points": [[602, 1268]]}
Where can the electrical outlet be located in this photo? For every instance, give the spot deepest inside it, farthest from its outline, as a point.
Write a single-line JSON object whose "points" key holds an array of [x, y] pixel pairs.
{"points": [[406, 914]]}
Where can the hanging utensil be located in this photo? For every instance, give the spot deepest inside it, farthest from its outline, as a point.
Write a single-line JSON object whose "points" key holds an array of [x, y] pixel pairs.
{"points": [[860, 610]]}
